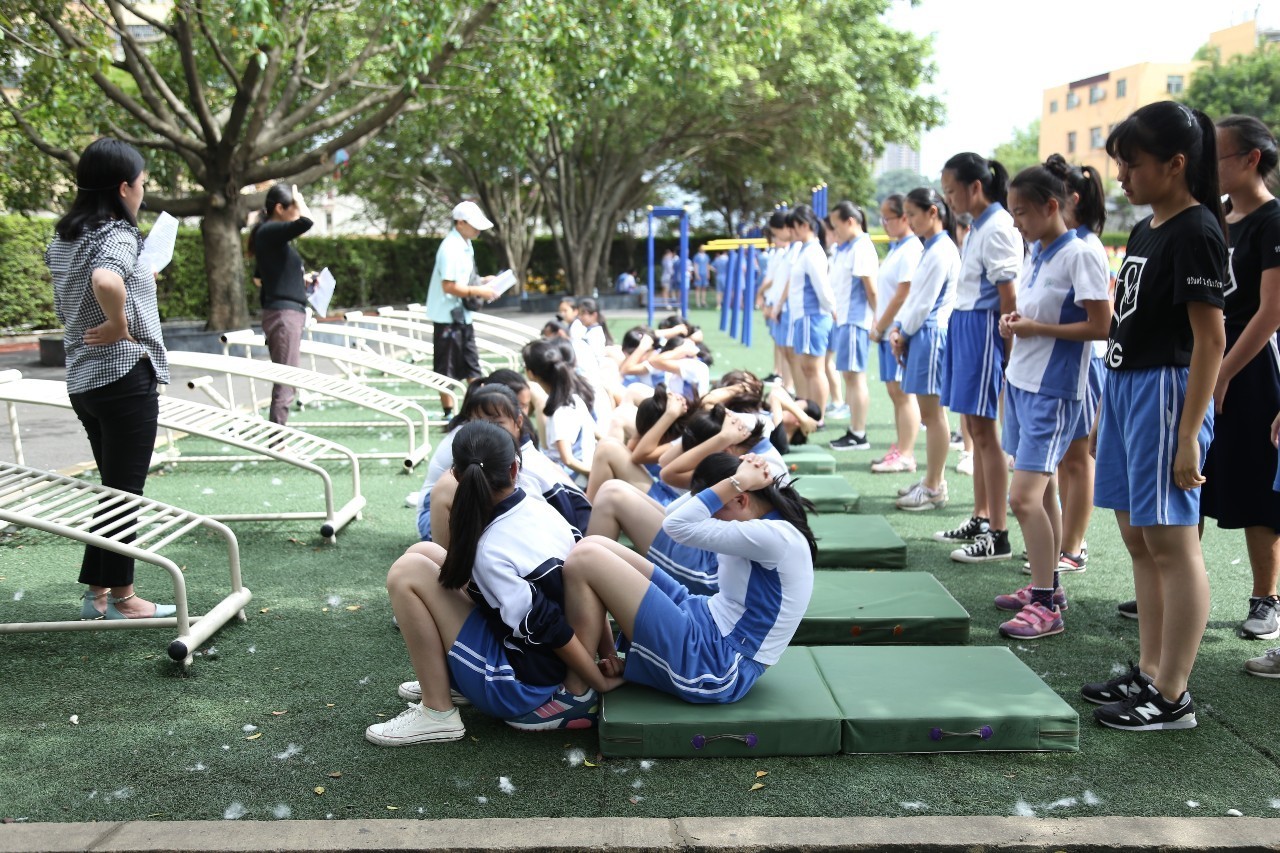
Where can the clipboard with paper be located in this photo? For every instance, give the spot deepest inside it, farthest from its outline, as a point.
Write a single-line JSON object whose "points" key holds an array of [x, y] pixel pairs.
{"points": [[323, 292], [157, 249]]}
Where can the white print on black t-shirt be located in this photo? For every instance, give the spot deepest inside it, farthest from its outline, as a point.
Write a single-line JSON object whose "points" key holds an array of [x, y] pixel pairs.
{"points": [[1232, 284], [1127, 284]]}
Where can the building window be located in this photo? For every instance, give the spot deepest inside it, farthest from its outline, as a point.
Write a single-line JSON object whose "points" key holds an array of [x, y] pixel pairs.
{"points": [[1096, 93], [1053, 106], [1096, 139], [1073, 100], [1174, 84], [1122, 88], [1071, 142]]}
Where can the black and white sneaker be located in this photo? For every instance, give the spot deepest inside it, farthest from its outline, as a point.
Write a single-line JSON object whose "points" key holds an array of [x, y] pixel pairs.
{"points": [[1263, 622], [1118, 689], [1127, 609], [1148, 711], [849, 441], [985, 547], [966, 532], [957, 440]]}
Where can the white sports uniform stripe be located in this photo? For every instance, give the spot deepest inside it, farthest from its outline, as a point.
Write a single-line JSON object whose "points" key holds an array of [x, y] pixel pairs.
{"points": [[688, 685], [490, 672]]}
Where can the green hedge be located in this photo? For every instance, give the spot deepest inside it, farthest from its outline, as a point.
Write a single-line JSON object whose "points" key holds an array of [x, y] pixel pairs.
{"points": [[26, 291]]}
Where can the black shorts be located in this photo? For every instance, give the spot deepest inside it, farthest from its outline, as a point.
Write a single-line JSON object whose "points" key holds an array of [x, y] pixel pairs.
{"points": [[454, 351]]}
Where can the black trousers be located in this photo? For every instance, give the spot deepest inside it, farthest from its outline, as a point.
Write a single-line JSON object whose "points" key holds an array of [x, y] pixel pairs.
{"points": [[120, 420]]}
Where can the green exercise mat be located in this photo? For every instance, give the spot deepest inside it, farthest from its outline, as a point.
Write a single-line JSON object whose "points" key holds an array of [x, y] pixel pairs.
{"points": [[789, 711], [807, 459], [829, 492], [881, 608], [944, 699], [857, 542]]}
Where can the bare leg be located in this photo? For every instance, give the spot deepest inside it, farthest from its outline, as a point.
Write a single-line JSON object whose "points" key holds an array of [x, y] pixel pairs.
{"points": [[622, 508], [1183, 609], [1264, 559], [430, 618], [797, 375], [990, 473], [1148, 588], [906, 414], [834, 389], [600, 575], [1075, 475], [612, 461], [859, 400], [815, 380], [1034, 506], [937, 439], [965, 436]]}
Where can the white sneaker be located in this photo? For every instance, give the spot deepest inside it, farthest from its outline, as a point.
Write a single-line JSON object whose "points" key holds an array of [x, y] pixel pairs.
{"points": [[906, 490], [965, 465], [411, 691], [416, 725], [923, 498]]}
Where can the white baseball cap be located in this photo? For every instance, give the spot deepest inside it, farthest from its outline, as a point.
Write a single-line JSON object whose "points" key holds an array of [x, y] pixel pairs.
{"points": [[469, 212]]}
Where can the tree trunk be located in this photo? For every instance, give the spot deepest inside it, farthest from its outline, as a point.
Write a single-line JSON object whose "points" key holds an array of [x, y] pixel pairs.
{"points": [[224, 268]]}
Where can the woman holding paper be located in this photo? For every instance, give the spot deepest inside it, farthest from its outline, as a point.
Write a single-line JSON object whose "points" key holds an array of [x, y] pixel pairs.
{"points": [[105, 296], [279, 275]]}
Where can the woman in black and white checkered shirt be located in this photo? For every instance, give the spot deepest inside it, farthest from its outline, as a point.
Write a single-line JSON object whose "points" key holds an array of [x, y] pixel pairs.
{"points": [[105, 297]]}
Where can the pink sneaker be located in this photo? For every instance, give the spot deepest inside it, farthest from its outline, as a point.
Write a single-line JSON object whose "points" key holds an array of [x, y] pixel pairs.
{"points": [[1033, 622], [894, 464], [1020, 599], [888, 457]]}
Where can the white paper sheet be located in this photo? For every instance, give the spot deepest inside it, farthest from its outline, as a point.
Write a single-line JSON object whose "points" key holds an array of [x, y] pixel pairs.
{"points": [[157, 249], [502, 282], [320, 297]]}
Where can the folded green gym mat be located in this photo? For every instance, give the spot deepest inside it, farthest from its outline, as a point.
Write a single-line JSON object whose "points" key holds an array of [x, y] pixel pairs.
{"points": [[828, 492], [881, 608], [789, 711], [944, 699], [807, 459], [857, 542]]}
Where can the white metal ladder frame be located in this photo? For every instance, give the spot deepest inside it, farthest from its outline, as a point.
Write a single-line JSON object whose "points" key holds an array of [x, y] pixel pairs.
{"points": [[483, 328], [488, 350]]}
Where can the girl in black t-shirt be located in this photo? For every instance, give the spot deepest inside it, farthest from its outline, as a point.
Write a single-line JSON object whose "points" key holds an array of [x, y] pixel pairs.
{"points": [[1164, 351], [1241, 464]]}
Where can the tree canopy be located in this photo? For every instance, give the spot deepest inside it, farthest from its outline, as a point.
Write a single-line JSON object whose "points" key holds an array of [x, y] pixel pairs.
{"points": [[1248, 84], [1022, 151]]}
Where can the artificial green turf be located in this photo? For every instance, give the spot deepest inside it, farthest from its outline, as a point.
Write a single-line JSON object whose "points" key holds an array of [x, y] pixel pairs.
{"points": [[144, 728]]}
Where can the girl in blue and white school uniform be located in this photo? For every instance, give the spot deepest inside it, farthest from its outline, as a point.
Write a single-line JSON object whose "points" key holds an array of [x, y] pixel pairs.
{"points": [[893, 284], [570, 427], [773, 272], [1163, 355], [636, 461], [704, 649], [854, 265], [976, 354], [919, 339], [1062, 306], [622, 508], [1086, 214], [812, 306], [486, 618]]}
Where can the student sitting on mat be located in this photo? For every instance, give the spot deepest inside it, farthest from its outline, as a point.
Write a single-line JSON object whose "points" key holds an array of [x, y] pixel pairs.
{"points": [[570, 428], [636, 461], [703, 649], [486, 617]]}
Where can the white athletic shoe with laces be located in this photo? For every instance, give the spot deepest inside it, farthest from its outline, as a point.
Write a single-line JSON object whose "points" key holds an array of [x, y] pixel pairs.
{"points": [[411, 691], [417, 725]]}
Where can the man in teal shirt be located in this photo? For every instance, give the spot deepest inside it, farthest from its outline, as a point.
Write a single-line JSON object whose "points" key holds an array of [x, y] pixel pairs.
{"points": [[454, 341]]}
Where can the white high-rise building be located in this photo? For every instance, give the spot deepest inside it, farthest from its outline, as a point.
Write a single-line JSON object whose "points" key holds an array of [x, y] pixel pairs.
{"points": [[897, 156]]}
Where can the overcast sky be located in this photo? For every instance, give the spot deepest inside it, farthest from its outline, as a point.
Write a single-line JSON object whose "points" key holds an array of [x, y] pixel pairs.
{"points": [[996, 57]]}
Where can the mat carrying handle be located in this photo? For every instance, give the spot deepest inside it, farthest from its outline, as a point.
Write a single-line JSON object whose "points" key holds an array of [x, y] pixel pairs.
{"points": [[984, 733], [750, 739]]}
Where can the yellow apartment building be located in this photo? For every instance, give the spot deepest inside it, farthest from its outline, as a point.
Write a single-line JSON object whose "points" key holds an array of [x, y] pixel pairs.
{"points": [[1075, 118]]}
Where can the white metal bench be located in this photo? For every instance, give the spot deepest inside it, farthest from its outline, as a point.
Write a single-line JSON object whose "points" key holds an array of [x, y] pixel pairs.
{"points": [[483, 329], [355, 363], [247, 432], [97, 515], [400, 410], [489, 352]]}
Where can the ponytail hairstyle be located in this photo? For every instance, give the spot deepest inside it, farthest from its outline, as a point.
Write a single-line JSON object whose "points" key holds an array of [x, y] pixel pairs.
{"points": [[778, 219], [650, 411], [705, 424], [847, 210], [103, 166], [1165, 129], [552, 366], [781, 497], [485, 400], [747, 401], [517, 384], [1091, 206], [633, 336], [554, 329], [1251, 134], [804, 213], [482, 457], [927, 197], [581, 386], [587, 305], [279, 194], [1040, 184], [994, 178]]}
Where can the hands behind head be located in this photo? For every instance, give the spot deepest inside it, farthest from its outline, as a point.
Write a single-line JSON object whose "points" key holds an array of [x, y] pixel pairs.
{"points": [[734, 430], [753, 473], [677, 405]]}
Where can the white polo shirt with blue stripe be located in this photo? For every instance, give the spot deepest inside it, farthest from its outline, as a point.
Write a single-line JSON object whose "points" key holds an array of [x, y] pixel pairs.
{"points": [[1095, 245], [933, 290], [1056, 280], [899, 266], [850, 263], [992, 255], [809, 293]]}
